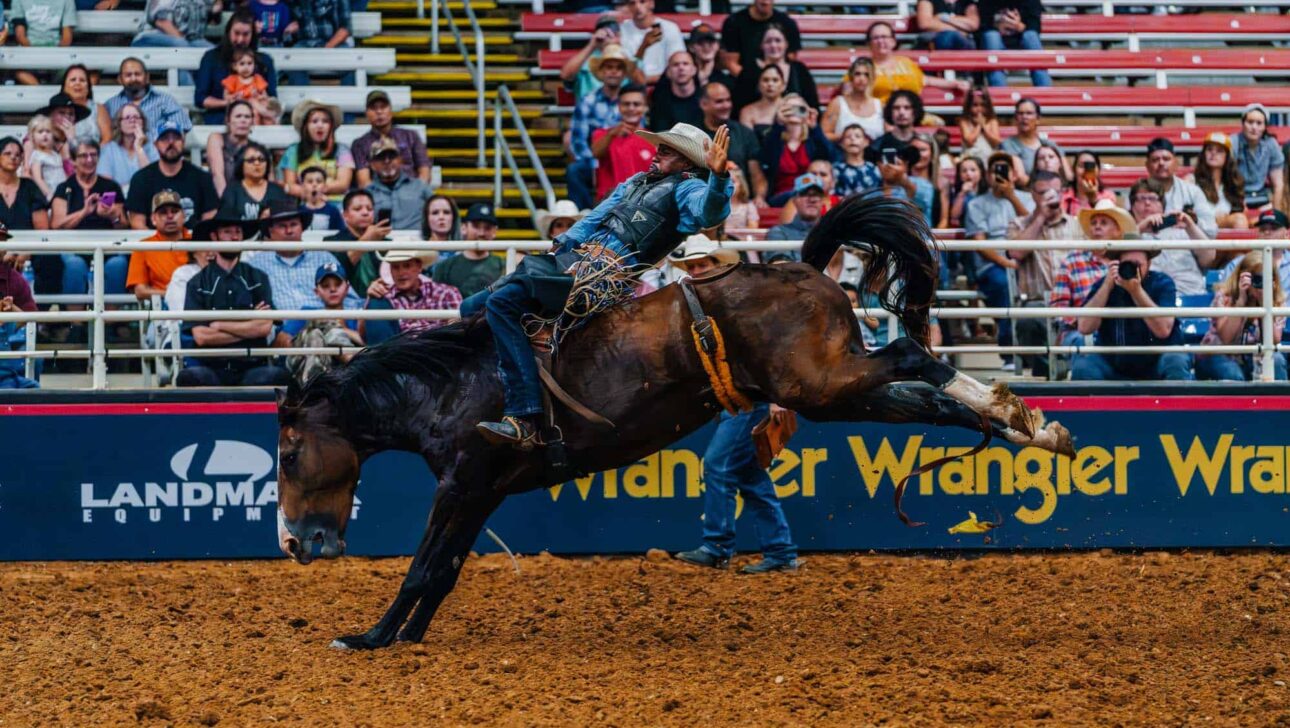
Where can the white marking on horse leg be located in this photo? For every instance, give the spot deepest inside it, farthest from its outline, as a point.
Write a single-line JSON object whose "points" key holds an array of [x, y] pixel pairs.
{"points": [[997, 403]]}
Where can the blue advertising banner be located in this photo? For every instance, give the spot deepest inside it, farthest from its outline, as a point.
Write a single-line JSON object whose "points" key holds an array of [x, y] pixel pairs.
{"points": [[131, 480]]}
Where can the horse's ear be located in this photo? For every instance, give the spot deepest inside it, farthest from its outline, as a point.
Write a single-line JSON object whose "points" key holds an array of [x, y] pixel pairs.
{"points": [[281, 395]]}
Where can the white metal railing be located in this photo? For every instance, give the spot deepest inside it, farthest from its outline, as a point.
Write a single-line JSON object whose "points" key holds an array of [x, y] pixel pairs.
{"points": [[98, 316], [502, 153]]}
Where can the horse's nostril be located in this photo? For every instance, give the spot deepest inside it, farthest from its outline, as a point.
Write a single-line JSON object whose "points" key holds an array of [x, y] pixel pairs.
{"points": [[293, 545]]}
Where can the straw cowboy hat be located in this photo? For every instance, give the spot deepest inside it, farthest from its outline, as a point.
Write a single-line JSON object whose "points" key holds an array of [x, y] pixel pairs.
{"points": [[611, 52], [1111, 210], [691, 141], [561, 209], [304, 108], [700, 246], [399, 256]]}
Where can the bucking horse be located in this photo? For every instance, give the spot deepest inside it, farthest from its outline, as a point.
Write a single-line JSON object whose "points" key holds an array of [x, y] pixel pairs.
{"points": [[789, 335]]}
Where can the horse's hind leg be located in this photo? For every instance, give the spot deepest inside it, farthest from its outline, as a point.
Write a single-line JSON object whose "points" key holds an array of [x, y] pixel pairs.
{"points": [[915, 402], [904, 360]]}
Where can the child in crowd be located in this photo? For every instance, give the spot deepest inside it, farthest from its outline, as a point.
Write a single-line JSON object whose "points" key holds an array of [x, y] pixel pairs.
{"points": [[273, 21], [320, 214], [743, 213], [331, 288], [44, 164], [245, 83], [853, 175]]}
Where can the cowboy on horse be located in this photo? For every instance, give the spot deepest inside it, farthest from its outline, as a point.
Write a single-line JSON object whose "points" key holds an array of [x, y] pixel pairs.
{"points": [[687, 189]]}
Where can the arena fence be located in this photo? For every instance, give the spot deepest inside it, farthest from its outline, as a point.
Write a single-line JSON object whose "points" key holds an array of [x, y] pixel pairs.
{"points": [[99, 316]]}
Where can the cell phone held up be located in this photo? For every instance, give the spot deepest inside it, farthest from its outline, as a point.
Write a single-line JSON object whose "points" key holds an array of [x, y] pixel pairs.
{"points": [[108, 199], [1167, 221], [1002, 171], [888, 155], [383, 215], [1089, 172]]}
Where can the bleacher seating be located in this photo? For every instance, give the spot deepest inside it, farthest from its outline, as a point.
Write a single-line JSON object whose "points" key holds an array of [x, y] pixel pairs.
{"points": [[351, 99], [129, 22], [1132, 139], [1058, 27], [172, 60]]}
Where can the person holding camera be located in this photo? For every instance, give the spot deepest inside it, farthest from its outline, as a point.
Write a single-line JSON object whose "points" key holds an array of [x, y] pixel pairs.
{"points": [[1176, 192], [576, 72], [1036, 268], [1186, 267], [1243, 287], [649, 39], [1131, 283], [793, 142], [988, 217], [895, 162], [1260, 159]]}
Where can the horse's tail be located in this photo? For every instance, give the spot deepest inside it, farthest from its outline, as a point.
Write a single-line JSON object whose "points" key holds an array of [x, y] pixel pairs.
{"points": [[895, 234]]}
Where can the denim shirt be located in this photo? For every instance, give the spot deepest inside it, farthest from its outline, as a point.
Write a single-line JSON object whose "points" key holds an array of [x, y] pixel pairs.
{"points": [[702, 205]]}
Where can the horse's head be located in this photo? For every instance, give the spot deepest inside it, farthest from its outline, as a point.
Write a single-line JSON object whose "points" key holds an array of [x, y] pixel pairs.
{"points": [[317, 475]]}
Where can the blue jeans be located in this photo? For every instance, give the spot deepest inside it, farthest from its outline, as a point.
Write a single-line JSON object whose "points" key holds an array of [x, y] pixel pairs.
{"points": [[504, 308], [993, 282], [1027, 41], [730, 464], [953, 40], [158, 39], [115, 270], [580, 178], [1175, 366], [1236, 368]]}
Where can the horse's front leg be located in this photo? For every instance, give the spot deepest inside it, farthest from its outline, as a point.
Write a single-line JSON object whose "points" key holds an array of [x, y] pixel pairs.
{"points": [[446, 558], [446, 503]]}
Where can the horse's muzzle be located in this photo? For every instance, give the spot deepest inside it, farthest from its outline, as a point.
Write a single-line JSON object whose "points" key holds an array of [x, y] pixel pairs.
{"points": [[297, 539]]}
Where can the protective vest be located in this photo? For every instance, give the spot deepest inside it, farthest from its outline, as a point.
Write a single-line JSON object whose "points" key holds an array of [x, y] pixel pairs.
{"points": [[646, 217]]}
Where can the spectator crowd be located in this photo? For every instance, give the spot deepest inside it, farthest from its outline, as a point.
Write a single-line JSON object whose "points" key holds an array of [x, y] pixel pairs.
{"points": [[794, 157]]}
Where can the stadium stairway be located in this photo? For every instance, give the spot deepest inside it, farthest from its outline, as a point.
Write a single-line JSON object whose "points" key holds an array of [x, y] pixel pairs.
{"points": [[443, 98]]}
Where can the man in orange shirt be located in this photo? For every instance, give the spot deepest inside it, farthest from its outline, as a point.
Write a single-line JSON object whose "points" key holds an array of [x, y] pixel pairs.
{"points": [[150, 270]]}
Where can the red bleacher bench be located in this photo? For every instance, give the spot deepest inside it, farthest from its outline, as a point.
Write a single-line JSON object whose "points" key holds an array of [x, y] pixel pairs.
{"points": [[1120, 138], [1057, 26], [1207, 60]]}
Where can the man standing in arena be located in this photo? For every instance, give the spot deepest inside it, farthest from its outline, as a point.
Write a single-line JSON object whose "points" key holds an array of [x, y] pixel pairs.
{"points": [[730, 463]]}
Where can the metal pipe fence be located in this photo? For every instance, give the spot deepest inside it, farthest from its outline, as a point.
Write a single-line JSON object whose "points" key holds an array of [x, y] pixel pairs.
{"points": [[99, 316]]}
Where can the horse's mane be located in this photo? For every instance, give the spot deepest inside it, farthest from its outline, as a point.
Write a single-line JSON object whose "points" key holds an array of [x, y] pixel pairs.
{"points": [[373, 385]]}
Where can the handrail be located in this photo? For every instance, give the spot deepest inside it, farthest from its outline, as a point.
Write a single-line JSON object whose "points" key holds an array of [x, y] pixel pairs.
{"points": [[475, 69], [502, 151], [99, 354]]}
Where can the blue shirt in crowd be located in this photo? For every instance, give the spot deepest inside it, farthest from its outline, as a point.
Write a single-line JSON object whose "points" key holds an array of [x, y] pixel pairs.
{"points": [[1134, 331]]}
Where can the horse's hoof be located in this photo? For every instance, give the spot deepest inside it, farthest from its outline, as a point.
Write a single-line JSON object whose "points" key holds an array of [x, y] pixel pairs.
{"points": [[356, 642]]}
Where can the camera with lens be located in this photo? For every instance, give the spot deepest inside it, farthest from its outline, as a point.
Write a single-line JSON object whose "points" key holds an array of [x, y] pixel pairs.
{"points": [[1128, 270]]}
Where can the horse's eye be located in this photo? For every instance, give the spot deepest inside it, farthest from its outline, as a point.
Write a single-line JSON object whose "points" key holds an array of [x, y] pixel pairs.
{"points": [[288, 459]]}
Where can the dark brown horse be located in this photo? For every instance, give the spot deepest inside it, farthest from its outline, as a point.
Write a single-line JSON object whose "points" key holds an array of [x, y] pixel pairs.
{"points": [[791, 337]]}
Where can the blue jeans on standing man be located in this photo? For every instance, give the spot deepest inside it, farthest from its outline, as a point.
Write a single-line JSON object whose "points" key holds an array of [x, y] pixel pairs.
{"points": [[1026, 41], [730, 465]]}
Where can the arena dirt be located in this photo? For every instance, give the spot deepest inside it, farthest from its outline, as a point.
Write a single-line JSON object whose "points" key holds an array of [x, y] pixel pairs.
{"points": [[1155, 639]]}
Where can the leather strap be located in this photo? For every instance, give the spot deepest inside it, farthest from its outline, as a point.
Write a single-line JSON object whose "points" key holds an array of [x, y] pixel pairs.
{"points": [[567, 399], [702, 324]]}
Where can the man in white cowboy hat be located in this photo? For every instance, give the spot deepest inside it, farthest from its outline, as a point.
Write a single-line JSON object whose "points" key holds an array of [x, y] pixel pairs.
{"points": [[730, 462], [700, 255], [596, 110], [1129, 282], [562, 215], [411, 291], [641, 222]]}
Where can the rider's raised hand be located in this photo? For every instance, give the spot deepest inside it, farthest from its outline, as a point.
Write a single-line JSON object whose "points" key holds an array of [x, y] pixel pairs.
{"points": [[719, 150]]}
